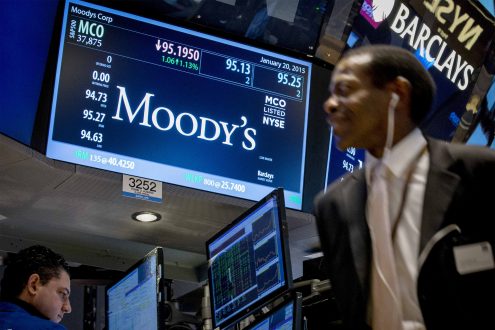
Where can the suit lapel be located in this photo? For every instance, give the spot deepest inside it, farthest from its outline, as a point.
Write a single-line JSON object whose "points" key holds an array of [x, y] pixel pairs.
{"points": [[440, 188], [355, 198]]}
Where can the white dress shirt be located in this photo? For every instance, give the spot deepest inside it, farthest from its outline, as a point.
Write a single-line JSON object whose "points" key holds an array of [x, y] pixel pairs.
{"points": [[408, 163]]}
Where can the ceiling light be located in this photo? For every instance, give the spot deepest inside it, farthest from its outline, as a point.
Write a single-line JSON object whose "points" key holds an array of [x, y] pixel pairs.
{"points": [[146, 216]]}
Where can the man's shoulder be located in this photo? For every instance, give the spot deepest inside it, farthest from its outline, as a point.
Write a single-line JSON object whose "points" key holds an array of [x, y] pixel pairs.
{"points": [[464, 151], [341, 188], [9, 307], [14, 317], [465, 160]]}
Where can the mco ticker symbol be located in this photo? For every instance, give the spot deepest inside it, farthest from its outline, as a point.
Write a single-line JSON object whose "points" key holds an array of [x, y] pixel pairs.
{"points": [[376, 11]]}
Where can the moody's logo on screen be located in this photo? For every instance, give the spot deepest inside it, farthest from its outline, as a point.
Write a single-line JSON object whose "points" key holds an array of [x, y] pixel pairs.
{"points": [[376, 11], [186, 124], [274, 112]]}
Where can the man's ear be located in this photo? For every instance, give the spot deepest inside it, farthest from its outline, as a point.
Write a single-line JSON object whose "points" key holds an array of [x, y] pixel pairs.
{"points": [[34, 281], [402, 87]]}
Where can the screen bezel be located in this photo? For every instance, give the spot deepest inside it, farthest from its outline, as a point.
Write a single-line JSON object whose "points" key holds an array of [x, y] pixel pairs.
{"points": [[296, 299], [316, 140], [159, 274], [259, 188], [278, 195]]}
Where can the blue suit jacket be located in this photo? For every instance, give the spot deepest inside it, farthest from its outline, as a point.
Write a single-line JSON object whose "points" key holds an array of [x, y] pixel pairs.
{"points": [[459, 209], [14, 317]]}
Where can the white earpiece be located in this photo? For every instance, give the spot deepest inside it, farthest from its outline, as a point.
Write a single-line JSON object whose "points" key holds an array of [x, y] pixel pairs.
{"points": [[394, 100]]}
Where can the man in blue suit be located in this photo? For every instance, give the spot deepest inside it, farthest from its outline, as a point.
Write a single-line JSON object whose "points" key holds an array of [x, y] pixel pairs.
{"points": [[429, 263], [35, 290]]}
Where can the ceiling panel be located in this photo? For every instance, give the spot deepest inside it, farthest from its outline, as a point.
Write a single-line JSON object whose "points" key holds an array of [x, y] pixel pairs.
{"points": [[81, 212]]}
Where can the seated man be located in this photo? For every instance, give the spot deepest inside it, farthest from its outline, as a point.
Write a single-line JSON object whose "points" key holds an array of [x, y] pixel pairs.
{"points": [[35, 290]]}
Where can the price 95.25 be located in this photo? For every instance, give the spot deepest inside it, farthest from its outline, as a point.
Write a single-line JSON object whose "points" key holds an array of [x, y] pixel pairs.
{"points": [[289, 80]]}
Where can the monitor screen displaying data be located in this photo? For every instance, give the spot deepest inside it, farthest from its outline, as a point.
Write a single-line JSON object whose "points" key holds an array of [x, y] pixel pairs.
{"points": [[249, 262], [133, 302], [286, 316], [154, 100], [341, 162]]}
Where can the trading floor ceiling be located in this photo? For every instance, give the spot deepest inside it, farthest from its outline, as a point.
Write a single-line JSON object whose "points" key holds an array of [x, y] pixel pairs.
{"points": [[81, 213]]}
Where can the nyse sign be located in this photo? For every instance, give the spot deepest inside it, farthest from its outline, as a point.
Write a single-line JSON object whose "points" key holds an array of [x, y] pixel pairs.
{"points": [[432, 47], [454, 38], [274, 112], [461, 24]]}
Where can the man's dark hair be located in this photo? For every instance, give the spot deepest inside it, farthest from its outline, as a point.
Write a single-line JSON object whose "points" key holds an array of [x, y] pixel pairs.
{"points": [[389, 62], [36, 259]]}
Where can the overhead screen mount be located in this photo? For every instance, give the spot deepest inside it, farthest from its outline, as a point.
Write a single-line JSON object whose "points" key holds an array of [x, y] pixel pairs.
{"points": [[141, 97], [138, 297], [249, 261]]}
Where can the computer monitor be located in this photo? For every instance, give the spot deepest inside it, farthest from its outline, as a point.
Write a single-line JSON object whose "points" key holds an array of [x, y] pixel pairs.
{"points": [[249, 261], [136, 300], [286, 316]]}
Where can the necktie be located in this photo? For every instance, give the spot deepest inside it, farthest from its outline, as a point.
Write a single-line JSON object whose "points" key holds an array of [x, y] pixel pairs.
{"points": [[385, 301]]}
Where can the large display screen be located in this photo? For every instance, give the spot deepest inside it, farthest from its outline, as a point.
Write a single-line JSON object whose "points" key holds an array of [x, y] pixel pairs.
{"points": [[134, 301], [249, 261], [484, 132], [145, 98], [340, 162], [453, 50], [21, 92]]}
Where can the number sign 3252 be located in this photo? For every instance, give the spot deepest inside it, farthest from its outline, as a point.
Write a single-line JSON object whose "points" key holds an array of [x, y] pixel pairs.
{"points": [[142, 188], [142, 184]]}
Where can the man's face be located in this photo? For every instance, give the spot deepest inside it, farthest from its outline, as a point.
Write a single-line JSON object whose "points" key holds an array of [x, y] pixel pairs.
{"points": [[356, 109], [52, 299]]}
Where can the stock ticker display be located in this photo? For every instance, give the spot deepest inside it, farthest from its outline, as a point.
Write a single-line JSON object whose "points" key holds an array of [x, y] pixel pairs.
{"points": [[246, 264], [282, 318], [150, 99], [339, 163], [132, 302]]}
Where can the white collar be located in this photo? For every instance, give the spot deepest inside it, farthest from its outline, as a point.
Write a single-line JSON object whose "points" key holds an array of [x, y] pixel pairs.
{"points": [[401, 155]]}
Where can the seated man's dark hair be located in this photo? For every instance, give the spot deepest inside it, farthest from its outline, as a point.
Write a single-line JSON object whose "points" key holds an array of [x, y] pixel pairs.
{"points": [[36, 259]]}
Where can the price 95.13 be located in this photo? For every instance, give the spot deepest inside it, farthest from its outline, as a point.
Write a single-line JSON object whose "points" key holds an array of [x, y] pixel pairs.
{"points": [[238, 66], [90, 136]]}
